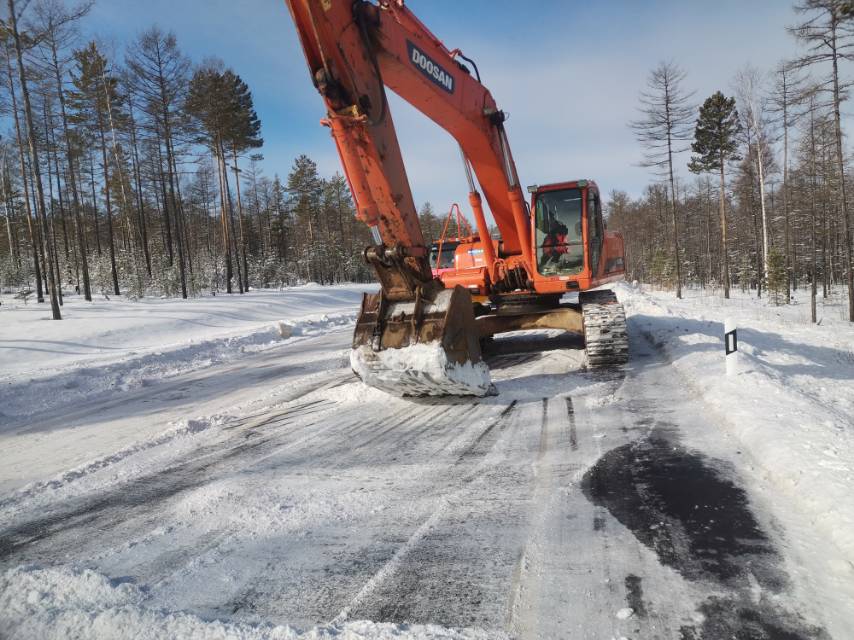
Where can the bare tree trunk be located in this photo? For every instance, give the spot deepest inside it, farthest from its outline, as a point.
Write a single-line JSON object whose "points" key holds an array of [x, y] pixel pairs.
{"points": [[138, 179], [167, 219], [840, 161], [60, 197], [75, 198], [176, 214], [106, 169], [787, 238], [52, 219], [226, 241], [95, 203], [240, 218], [676, 254], [24, 179], [227, 191], [180, 215], [813, 195], [760, 168], [7, 212], [31, 130], [724, 247]]}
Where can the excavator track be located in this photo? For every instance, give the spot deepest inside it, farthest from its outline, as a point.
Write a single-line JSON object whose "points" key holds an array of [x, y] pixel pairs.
{"points": [[606, 339]]}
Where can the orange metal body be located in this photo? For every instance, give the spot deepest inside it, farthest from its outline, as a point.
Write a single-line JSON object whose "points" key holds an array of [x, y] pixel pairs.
{"points": [[356, 49], [471, 258], [610, 266]]}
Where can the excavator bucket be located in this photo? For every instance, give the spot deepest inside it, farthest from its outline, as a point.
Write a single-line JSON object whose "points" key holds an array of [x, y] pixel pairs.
{"points": [[423, 347]]}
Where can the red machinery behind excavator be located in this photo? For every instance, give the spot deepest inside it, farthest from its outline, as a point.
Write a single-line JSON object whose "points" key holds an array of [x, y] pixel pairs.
{"points": [[421, 334]]}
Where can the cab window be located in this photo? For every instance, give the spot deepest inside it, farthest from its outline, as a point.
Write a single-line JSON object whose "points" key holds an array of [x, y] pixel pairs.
{"points": [[559, 238]]}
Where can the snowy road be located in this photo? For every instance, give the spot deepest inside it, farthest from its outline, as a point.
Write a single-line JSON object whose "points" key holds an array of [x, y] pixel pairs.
{"points": [[572, 505]]}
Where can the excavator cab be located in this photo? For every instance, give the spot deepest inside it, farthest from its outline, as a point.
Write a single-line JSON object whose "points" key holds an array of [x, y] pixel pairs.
{"points": [[559, 233], [443, 256], [572, 249]]}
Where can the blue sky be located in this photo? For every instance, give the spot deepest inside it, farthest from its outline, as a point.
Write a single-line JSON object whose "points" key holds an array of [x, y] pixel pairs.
{"points": [[568, 73]]}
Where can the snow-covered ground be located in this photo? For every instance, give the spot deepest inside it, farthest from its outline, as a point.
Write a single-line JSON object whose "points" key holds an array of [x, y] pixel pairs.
{"points": [[220, 480], [117, 345], [791, 401]]}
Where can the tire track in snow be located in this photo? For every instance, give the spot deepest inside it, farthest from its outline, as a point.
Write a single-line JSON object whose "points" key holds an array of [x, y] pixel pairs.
{"points": [[140, 498], [386, 580], [410, 438]]}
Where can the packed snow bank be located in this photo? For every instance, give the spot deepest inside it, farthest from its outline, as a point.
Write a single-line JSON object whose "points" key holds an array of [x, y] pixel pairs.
{"points": [[42, 604], [791, 405], [179, 438], [418, 370], [120, 344]]}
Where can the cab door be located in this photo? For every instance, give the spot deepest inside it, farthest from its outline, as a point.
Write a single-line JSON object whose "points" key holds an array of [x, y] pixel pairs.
{"points": [[595, 231]]}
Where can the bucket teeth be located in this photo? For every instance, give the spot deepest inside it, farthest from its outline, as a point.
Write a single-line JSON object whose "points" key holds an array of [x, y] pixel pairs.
{"points": [[423, 347], [419, 370]]}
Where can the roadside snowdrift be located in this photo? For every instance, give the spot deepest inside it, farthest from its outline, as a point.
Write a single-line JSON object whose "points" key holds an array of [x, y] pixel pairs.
{"points": [[792, 403], [120, 345], [43, 604]]}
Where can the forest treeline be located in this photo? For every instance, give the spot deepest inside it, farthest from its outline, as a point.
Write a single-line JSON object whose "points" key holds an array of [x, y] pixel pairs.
{"points": [[768, 207], [138, 172]]}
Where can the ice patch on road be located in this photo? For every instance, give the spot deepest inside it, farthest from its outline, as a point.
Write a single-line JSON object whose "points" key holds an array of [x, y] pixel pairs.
{"points": [[789, 406], [57, 603]]}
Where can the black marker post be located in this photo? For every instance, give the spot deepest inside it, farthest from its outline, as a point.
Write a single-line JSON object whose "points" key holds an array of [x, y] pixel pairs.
{"points": [[731, 346]]}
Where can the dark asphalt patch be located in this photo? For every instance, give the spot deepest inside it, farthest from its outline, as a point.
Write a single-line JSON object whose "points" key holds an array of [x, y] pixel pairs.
{"points": [[731, 619], [671, 498], [573, 431], [699, 522], [634, 595]]}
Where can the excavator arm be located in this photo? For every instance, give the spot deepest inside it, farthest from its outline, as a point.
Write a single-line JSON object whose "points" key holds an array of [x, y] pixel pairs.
{"points": [[343, 66], [420, 69], [356, 49]]}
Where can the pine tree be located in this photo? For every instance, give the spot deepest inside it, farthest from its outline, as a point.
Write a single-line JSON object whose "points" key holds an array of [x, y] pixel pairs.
{"points": [[431, 225], [221, 107], [776, 279], [305, 188], [714, 145], [94, 96], [663, 130], [243, 133]]}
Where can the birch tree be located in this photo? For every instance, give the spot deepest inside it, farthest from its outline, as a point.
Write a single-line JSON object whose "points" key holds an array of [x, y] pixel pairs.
{"points": [[749, 87]]}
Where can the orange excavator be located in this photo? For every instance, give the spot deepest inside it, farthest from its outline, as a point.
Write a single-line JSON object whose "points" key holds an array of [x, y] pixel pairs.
{"points": [[422, 333]]}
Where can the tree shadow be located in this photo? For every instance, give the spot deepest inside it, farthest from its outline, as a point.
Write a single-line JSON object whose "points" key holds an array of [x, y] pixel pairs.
{"points": [[822, 361]]}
